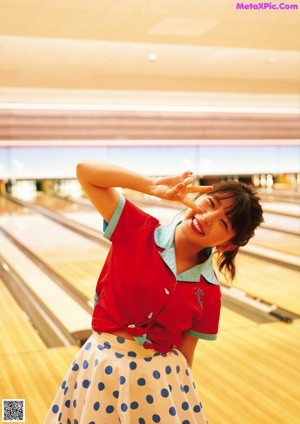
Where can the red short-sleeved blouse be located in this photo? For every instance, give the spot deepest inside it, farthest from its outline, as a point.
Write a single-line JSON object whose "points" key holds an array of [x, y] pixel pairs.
{"points": [[138, 291]]}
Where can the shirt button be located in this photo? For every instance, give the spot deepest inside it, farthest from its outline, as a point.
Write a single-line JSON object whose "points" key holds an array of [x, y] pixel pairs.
{"points": [[167, 291], [150, 315], [131, 326]]}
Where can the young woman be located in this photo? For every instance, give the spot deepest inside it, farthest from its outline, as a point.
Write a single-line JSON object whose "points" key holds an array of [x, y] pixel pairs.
{"points": [[157, 294]]}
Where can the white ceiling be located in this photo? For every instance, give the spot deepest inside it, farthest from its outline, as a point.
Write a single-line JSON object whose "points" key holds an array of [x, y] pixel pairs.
{"points": [[198, 46]]}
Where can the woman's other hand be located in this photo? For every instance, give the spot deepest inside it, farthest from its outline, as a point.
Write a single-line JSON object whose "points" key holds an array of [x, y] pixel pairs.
{"points": [[178, 188]]}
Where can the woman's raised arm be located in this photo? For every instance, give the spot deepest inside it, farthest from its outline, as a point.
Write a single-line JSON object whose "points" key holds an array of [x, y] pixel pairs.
{"points": [[99, 179]]}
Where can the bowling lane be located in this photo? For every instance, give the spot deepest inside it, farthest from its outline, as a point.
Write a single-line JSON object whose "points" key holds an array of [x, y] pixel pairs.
{"points": [[269, 281], [72, 256], [278, 241], [17, 333], [284, 208]]}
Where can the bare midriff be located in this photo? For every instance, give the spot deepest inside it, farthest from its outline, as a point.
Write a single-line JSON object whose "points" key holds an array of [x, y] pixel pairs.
{"points": [[123, 334]]}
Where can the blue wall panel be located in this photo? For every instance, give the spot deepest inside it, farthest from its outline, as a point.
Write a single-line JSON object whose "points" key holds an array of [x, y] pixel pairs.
{"points": [[60, 162]]}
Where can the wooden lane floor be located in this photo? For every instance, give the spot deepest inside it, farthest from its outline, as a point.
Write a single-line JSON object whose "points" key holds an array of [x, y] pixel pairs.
{"points": [[251, 375], [17, 333], [270, 282], [28, 369], [59, 204], [81, 212], [278, 241], [72, 256], [289, 209], [34, 376], [279, 222]]}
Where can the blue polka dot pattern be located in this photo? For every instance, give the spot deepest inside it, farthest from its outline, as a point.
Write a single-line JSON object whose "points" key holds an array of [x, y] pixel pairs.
{"points": [[108, 370], [96, 406], [111, 380], [55, 409], [156, 374], [124, 407], [75, 367], [185, 406], [172, 411], [101, 386], [134, 405], [165, 393], [149, 399], [107, 345], [110, 409], [132, 365]]}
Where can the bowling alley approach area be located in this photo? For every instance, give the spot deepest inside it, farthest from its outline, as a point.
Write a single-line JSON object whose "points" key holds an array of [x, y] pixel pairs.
{"points": [[158, 87]]}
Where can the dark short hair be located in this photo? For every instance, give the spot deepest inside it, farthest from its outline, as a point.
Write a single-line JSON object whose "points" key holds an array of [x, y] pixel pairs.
{"points": [[245, 212], [245, 215]]}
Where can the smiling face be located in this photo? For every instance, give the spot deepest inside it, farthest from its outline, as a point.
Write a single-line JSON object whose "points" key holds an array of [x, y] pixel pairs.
{"points": [[210, 227]]}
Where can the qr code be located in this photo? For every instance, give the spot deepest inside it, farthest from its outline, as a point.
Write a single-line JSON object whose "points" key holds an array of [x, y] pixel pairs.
{"points": [[13, 410]]}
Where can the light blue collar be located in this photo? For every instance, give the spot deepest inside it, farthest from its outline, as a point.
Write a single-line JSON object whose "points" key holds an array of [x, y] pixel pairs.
{"points": [[164, 238]]}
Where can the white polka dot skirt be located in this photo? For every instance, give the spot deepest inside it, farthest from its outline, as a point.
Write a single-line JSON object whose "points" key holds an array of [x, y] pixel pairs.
{"points": [[115, 381]]}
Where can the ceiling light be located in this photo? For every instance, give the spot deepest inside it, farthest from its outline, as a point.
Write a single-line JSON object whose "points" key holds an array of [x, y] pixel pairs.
{"points": [[152, 57]]}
